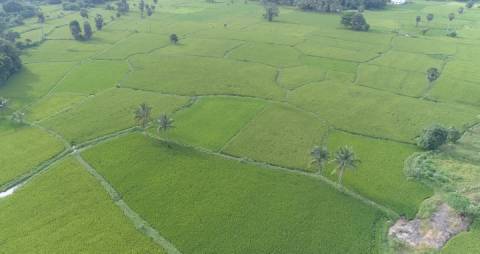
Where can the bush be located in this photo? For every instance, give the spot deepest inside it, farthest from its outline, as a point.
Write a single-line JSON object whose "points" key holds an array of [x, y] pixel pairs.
{"points": [[355, 21], [463, 205], [453, 135], [452, 34], [421, 168], [433, 137]]}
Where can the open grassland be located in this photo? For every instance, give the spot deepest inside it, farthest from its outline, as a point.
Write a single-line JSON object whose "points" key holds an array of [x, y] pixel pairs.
{"points": [[23, 149], [207, 204], [109, 112], [65, 210]]}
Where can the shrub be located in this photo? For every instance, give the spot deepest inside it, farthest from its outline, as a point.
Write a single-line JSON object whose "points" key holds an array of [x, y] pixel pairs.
{"points": [[453, 135], [433, 137], [355, 21]]}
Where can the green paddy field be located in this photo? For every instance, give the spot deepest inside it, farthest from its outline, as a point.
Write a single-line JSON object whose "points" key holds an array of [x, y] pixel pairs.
{"points": [[250, 99]]}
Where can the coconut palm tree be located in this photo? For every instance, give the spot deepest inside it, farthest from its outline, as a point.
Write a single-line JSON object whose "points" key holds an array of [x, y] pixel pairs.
{"points": [[320, 157], [346, 159], [164, 124], [142, 115]]}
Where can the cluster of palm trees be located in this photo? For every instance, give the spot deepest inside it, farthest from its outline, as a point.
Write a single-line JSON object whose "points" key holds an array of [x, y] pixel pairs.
{"points": [[344, 157], [142, 116]]}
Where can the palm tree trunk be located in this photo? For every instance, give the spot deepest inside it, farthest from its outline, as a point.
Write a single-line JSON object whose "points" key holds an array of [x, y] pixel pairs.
{"points": [[340, 176]]}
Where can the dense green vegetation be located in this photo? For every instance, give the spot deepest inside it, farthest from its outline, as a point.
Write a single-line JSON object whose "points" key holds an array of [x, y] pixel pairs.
{"points": [[239, 94], [207, 204]]}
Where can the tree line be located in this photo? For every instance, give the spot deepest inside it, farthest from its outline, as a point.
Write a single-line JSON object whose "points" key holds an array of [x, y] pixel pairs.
{"points": [[332, 5]]}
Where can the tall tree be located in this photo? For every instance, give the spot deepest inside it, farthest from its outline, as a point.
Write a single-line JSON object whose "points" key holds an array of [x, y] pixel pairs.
{"points": [[433, 137], [345, 158], [355, 21], [430, 17], [149, 10], [99, 22], [76, 30], [141, 6], [123, 7], [320, 157], [84, 13], [87, 30], [41, 17], [271, 10], [10, 62], [461, 10], [165, 123], [142, 115]]}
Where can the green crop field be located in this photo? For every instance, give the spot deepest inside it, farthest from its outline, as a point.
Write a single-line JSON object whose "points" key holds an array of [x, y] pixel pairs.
{"points": [[220, 160], [66, 210], [206, 204]]}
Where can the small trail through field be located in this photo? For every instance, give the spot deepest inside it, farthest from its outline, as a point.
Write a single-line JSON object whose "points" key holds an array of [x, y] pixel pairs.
{"points": [[139, 223]]}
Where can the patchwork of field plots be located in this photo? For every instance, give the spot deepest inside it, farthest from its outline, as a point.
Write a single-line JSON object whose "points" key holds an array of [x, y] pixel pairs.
{"points": [[249, 99]]}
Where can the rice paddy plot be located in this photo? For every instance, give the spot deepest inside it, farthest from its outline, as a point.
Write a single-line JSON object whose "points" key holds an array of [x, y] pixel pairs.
{"points": [[207, 204], [23, 149], [137, 43], [200, 47], [93, 76], [270, 54], [52, 105], [461, 70], [381, 177], [33, 82], [396, 81], [408, 61], [187, 75], [456, 91], [295, 77], [377, 113], [424, 46], [108, 112], [279, 135], [213, 121], [63, 50], [466, 242], [65, 210], [340, 49]]}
